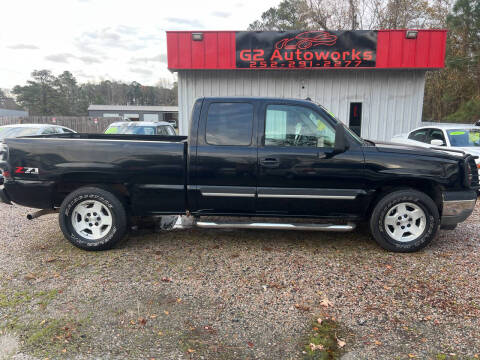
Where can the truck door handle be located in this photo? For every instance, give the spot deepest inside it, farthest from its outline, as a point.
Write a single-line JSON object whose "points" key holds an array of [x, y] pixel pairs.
{"points": [[269, 162]]}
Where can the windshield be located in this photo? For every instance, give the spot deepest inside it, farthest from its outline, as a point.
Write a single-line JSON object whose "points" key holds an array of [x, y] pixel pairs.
{"points": [[464, 137], [9, 132], [135, 130]]}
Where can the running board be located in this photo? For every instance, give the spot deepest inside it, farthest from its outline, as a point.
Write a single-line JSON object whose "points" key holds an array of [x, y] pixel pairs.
{"points": [[276, 226]]}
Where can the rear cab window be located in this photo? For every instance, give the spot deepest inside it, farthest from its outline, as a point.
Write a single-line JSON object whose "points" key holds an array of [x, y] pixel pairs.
{"points": [[229, 123]]}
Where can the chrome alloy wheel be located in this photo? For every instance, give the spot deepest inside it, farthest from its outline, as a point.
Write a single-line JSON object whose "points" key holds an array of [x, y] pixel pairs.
{"points": [[91, 219], [405, 222]]}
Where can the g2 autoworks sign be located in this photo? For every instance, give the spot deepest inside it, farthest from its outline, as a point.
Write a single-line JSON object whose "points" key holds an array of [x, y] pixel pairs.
{"points": [[305, 49]]}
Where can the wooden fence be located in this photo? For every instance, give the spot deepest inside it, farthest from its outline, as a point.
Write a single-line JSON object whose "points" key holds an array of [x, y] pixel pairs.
{"points": [[81, 124]]}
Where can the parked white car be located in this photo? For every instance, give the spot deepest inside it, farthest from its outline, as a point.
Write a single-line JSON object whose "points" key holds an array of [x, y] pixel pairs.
{"points": [[452, 136], [141, 128], [17, 130]]}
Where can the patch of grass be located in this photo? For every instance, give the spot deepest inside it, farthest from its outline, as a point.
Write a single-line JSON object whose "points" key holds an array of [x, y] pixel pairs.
{"points": [[46, 297], [13, 299], [322, 341], [50, 337], [443, 356]]}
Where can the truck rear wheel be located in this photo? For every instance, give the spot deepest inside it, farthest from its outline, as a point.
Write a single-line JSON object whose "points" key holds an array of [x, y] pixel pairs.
{"points": [[404, 221], [93, 219]]}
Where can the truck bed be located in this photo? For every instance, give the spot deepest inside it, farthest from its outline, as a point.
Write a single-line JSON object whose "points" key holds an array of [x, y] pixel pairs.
{"points": [[151, 169]]}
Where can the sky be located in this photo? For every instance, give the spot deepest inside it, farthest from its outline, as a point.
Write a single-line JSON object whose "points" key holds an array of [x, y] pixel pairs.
{"points": [[107, 39]]}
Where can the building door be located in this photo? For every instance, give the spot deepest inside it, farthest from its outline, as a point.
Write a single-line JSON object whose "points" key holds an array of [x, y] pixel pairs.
{"points": [[355, 120], [298, 173]]}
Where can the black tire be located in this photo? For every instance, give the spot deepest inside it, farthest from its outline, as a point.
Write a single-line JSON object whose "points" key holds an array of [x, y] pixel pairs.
{"points": [[377, 226], [114, 205]]}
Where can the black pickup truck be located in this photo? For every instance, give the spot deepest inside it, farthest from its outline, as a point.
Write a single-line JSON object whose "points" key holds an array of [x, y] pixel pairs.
{"points": [[246, 158]]}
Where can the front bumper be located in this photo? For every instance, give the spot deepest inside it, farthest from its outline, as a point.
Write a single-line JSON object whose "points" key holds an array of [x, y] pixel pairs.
{"points": [[457, 206]]}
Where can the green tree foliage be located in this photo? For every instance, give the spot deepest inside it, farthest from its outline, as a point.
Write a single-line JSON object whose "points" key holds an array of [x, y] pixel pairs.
{"points": [[47, 94], [287, 16], [40, 94], [353, 15], [7, 101], [451, 94]]}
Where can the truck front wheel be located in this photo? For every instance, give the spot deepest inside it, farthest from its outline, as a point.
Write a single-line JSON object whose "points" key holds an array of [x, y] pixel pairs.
{"points": [[404, 221], [93, 219]]}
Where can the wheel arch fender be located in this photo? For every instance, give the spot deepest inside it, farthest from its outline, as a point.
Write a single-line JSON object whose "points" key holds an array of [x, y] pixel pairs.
{"points": [[429, 187]]}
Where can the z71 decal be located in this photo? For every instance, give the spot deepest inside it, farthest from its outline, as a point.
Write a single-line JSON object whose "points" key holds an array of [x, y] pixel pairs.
{"points": [[26, 170]]}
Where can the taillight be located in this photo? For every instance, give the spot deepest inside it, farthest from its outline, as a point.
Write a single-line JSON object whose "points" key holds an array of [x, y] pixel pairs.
{"points": [[6, 174]]}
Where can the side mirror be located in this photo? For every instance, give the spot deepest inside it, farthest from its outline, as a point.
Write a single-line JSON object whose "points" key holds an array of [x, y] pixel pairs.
{"points": [[341, 143], [437, 142]]}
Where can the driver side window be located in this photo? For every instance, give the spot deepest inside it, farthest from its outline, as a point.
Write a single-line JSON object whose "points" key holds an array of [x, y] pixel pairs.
{"points": [[435, 134], [287, 125]]}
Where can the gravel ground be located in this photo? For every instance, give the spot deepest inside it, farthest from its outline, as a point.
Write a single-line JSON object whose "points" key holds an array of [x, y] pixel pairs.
{"points": [[234, 294]]}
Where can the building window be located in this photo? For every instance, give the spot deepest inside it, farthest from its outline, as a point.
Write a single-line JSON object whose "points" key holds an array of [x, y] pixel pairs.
{"points": [[229, 124], [355, 123], [131, 117], [110, 115], [150, 117]]}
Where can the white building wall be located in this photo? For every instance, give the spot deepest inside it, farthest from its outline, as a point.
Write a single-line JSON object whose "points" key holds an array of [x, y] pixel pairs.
{"points": [[392, 99]]}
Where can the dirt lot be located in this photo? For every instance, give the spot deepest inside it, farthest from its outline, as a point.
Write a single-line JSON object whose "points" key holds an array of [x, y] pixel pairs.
{"points": [[236, 294]]}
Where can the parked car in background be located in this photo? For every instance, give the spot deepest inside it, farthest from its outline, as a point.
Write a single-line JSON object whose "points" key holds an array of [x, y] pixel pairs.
{"points": [[451, 136], [141, 128], [17, 130]]}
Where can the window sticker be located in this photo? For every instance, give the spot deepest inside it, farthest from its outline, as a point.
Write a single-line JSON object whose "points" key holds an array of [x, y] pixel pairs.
{"points": [[320, 125], [457, 133]]}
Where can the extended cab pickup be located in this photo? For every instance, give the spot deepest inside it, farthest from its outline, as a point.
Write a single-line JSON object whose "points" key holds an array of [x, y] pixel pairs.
{"points": [[244, 157]]}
